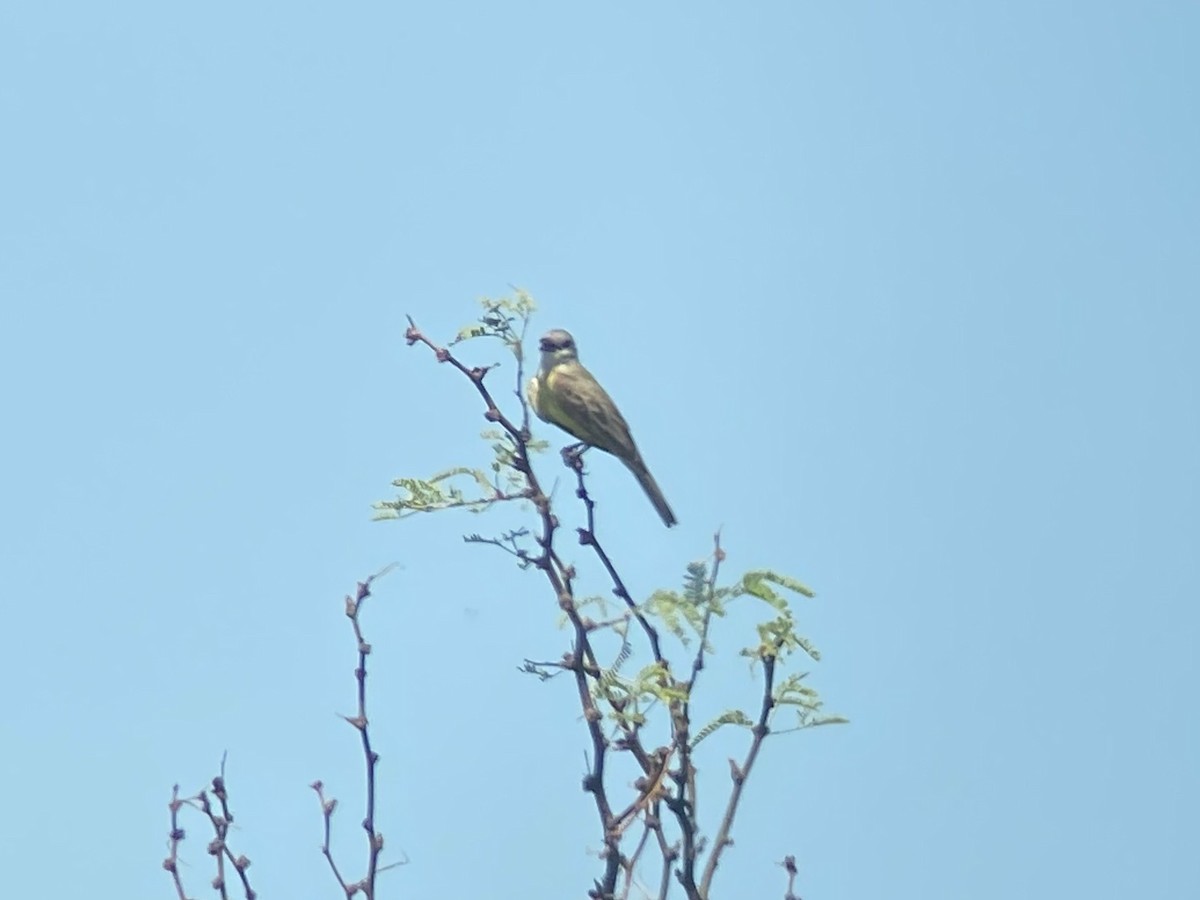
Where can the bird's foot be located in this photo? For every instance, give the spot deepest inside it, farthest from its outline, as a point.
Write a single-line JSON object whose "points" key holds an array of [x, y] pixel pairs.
{"points": [[573, 455]]}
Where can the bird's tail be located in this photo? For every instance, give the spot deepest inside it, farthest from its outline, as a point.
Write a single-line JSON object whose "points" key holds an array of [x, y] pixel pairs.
{"points": [[650, 486]]}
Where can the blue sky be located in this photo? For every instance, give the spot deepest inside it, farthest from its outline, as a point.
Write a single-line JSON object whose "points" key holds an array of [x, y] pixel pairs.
{"points": [[903, 297]]}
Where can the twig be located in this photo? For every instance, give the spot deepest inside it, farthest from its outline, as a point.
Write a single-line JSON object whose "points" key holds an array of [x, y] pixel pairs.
{"points": [[739, 773], [218, 847], [789, 866], [360, 721], [683, 804], [177, 834], [573, 459]]}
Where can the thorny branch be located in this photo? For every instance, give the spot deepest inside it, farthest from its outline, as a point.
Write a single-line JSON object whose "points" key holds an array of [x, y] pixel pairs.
{"points": [[360, 721], [683, 803], [587, 537], [739, 773], [582, 661], [218, 847]]}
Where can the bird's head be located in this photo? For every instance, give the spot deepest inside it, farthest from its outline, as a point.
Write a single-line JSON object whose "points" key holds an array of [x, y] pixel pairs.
{"points": [[557, 347]]}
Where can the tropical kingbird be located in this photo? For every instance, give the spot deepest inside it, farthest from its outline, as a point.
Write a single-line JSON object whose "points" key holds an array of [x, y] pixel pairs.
{"points": [[565, 394]]}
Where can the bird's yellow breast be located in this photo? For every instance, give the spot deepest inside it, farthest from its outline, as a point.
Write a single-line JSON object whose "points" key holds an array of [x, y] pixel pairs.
{"points": [[549, 406]]}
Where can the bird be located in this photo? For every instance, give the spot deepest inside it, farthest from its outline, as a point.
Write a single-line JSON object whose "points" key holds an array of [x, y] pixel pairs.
{"points": [[566, 394]]}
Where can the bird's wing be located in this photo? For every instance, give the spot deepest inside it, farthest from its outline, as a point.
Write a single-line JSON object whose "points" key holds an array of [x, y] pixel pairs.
{"points": [[575, 401]]}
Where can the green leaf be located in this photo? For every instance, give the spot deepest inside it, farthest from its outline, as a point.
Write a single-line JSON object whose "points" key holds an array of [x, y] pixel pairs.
{"points": [[729, 717]]}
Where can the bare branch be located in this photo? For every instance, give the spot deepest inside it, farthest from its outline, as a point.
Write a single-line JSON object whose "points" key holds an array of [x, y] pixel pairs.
{"points": [[361, 722]]}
